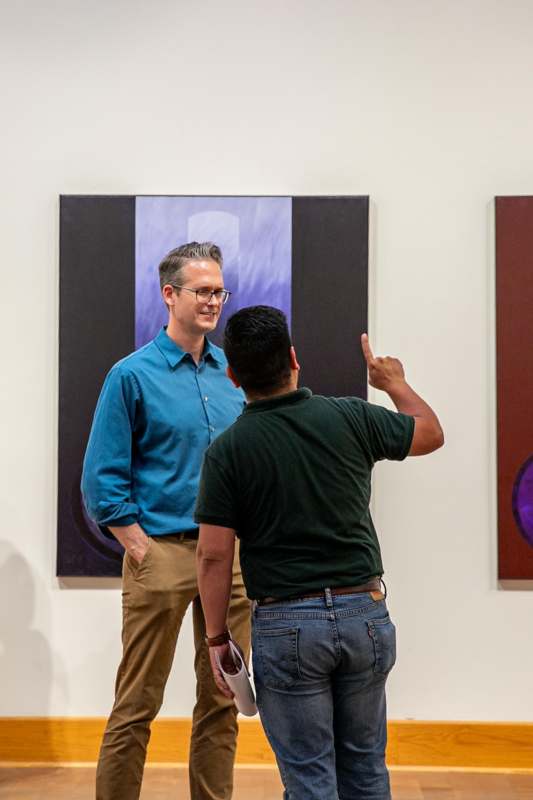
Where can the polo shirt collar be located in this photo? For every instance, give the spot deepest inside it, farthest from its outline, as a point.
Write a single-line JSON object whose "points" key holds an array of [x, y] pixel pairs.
{"points": [[174, 354], [280, 400]]}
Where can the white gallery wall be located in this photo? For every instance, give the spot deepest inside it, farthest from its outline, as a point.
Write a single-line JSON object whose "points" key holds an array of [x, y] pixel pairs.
{"points": [[427, 108]]}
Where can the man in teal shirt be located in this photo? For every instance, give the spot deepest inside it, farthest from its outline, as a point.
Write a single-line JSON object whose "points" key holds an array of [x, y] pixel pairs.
{"points": [[291, 478], [158, 411]]}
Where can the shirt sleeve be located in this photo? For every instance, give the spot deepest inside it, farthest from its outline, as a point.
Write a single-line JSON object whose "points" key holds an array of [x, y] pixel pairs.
{"points": [[106, 477], [387, 434], [215, 504]]}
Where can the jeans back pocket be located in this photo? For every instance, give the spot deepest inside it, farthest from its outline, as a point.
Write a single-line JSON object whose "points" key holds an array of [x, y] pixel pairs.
{"points": [[277, 653], [383, 635]]}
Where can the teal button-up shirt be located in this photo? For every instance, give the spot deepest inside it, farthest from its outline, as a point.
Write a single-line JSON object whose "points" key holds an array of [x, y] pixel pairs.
{"points": [[157, 413]]}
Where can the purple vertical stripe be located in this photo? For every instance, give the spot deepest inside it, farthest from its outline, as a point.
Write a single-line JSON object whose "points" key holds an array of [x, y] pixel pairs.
{"points": [[254, 234]]}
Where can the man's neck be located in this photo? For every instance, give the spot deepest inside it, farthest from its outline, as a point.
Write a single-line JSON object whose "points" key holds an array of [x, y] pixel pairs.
{"points": [[287, 388], [189, 343]]}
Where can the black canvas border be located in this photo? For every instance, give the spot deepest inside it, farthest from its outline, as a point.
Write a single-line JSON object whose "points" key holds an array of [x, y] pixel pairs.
{"points": [[330, 292], [96, 329]]}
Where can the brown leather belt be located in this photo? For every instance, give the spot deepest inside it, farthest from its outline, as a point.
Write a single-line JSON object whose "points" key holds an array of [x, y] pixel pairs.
{"points": [[183, 536], [373, 585]]}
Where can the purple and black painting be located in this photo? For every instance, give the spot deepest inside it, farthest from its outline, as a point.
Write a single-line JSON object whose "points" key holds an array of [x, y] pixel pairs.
{"points": [[304, 255]]}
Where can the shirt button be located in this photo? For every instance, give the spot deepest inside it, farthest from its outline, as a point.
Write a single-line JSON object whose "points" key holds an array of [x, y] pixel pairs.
{"points": [[211, 428], [206, 398]]}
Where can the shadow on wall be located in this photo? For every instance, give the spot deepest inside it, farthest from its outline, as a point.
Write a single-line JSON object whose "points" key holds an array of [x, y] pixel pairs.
{"points": [[26, 661]]}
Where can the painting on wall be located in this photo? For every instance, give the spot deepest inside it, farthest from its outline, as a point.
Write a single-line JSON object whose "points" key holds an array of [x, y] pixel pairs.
{"points": [[305, 255], [514, 369]]}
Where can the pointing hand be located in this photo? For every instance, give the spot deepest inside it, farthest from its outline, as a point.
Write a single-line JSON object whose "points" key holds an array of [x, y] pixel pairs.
{"points": [[382, 372]]}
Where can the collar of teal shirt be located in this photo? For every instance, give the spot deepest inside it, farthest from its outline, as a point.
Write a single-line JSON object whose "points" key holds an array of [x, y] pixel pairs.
{"points": [[174, 354]]}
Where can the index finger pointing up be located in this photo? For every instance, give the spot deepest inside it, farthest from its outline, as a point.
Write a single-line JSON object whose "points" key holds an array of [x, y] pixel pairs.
{"points": [[367, 350]]}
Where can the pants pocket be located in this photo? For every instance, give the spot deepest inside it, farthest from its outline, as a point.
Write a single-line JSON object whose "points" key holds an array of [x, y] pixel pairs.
{"points": [[277, 653], [383, 635], [133, 566]]}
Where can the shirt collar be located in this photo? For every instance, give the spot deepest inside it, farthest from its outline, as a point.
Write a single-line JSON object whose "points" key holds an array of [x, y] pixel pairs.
{"points": [[174, 354], [278, 401], [214, 352]]}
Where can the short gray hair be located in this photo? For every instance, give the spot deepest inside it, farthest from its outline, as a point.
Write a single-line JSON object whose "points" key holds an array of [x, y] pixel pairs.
{"points": [[171, 268]]}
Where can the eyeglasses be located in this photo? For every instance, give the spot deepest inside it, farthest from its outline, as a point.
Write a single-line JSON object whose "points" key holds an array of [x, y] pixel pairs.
{"points": [[205, 295]]}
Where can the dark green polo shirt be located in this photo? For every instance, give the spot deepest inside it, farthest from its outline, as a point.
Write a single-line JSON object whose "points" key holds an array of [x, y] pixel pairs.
{"points": [[292, 477]]}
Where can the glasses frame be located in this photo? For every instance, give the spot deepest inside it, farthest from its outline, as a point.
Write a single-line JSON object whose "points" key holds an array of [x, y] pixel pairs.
{"points": [[224, 296]]}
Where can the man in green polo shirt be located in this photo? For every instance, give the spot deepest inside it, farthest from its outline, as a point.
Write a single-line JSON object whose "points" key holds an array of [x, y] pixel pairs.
{"points": [[291, 478]]}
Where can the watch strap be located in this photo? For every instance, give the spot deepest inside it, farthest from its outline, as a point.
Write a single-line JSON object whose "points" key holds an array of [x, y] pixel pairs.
{"points": [[216, 641]]}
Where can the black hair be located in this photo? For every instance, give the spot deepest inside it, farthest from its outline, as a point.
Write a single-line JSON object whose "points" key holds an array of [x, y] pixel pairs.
{"points": [[257, 345]]}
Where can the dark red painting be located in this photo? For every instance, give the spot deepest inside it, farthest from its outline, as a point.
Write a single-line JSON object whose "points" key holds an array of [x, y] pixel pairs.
{"points": [[514, 353]]}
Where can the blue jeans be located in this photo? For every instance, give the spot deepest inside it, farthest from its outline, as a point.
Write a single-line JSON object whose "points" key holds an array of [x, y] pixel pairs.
{"points": [[320, 667]]}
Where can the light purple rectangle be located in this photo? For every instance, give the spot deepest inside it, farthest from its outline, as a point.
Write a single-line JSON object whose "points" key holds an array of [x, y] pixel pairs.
{"points": [[254, 234]]}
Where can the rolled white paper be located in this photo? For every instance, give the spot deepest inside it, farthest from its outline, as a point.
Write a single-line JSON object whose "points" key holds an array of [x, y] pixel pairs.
{"points": [[239, 683]]}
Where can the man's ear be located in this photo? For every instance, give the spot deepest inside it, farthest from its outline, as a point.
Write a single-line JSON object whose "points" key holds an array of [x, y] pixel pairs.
{"points": [[231, 376], [294, 360], [168, 294]]}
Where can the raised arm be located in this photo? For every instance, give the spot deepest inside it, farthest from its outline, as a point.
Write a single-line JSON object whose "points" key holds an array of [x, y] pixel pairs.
{"points": [[388, 375]]}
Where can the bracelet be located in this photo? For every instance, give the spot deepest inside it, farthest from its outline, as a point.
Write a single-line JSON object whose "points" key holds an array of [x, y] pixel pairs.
{"points": [[215, 641]]}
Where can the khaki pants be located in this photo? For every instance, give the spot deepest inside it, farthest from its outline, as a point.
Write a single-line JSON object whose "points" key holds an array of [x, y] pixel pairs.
{"points": [[155, 596]]}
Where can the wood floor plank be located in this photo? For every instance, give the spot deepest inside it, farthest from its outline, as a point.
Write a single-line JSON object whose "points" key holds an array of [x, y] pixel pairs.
{"points": [[162, 783]]}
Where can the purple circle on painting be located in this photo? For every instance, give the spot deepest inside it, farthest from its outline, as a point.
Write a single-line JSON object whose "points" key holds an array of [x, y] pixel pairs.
{"points": [[523, 500]]}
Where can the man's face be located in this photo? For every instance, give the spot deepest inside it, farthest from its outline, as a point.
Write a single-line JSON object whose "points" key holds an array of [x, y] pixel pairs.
{"points": [[191, 316]]}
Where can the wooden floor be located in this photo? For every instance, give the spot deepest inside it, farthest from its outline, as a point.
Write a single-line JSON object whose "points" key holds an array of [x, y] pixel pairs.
{"points": [[251, 783]]}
